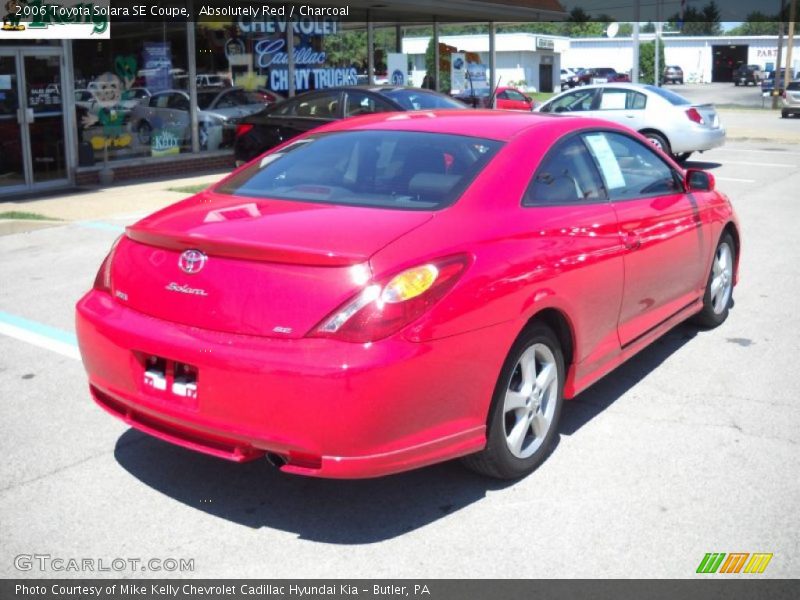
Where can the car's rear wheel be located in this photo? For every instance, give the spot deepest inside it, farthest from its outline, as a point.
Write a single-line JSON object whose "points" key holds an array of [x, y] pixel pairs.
{"points": [[526, 406], [784, 114], [658, 140], [719, 288]]}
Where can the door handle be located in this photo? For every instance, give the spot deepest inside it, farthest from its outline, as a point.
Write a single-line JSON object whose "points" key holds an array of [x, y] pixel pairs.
{"points": [[631, 239]]}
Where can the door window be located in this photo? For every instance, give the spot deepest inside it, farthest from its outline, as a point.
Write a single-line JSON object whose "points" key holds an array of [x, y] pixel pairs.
{"points": [[359, 103], [178, 102], [630, 169], [320, 106], [620, 99], [513, 95], [567, 175], [574, 101]]}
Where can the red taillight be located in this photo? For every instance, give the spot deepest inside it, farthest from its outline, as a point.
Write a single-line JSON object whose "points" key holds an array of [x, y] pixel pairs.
{"points": [[695, 116], [381, 309], [243, 128], [102, 280]]}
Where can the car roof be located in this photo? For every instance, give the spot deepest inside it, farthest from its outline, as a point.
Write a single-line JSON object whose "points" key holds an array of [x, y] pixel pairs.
{"points": [[641, 87], [497, 125]]}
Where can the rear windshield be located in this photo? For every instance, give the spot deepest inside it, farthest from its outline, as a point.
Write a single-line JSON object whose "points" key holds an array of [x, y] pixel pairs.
{"points": [[413, 99], [669, 96], [793, 86], [382, 169]]}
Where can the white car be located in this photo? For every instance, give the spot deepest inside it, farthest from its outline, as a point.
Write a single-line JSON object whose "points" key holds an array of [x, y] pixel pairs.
{"points": [[670, 121]]}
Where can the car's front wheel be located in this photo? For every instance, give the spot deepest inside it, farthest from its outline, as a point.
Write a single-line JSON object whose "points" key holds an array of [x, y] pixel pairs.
{"points": [[526, 406], [719, 288]]}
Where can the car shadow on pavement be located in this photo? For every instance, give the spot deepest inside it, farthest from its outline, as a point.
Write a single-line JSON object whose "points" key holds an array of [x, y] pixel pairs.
{"points": [[365, 511], [256, 494], [591, 402], [700, 164]]}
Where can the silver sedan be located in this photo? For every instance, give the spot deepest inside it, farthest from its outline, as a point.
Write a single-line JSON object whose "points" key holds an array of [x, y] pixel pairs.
{"points": [[670, 121]]}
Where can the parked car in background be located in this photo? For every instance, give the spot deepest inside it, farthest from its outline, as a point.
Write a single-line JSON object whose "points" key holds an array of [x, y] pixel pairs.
{"points": [[601, 75], [671, 122], [211, 80], [747, 74], [507, 98], [791, 100], [269, 97], [276, 124], [219, 110], [673, 74], [390, 293], [569, 79], [768, 83]]}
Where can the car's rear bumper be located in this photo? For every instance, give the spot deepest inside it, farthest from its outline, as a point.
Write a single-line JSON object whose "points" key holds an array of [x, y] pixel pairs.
{"points": [[330, 409], [697, 139]]}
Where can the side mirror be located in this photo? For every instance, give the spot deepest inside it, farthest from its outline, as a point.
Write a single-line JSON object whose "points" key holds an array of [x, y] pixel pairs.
{"points": [[698, 180], [528, 99]]}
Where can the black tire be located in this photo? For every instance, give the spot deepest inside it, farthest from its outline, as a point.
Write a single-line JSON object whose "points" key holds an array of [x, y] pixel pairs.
{"points": [[144, 132], [658, 140], [736, 83], [682, 157], [496, 459], [710, 317], [784, 114]]}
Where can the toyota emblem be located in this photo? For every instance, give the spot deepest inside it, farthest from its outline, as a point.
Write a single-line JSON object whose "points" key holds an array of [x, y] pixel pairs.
{"points": [[192, 261]]}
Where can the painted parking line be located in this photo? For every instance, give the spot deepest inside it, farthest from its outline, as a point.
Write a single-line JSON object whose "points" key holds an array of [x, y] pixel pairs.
{"points": [[50, 338], [755, 164], [772, 152], [100, 225], [734, 179]]}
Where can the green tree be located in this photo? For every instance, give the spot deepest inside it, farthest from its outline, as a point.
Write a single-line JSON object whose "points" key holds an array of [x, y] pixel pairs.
{"points": [[757, 23], [705, 21], [430, 73], [647, 63]]}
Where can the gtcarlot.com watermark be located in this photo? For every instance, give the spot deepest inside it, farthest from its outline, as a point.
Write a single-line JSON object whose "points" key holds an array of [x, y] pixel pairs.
{"points": [[48, 563]]}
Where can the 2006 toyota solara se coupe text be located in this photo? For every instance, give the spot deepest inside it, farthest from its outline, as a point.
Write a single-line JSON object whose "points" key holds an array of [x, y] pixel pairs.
{"points": [[401, 289]]}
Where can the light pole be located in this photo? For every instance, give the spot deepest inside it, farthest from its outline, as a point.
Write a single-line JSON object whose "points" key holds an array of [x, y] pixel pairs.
{"points": [[657, 58], [779, 62], [635, 69]]}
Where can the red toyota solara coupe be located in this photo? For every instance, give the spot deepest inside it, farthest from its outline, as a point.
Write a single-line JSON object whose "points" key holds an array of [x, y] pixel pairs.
{"points": [[401, 289]]}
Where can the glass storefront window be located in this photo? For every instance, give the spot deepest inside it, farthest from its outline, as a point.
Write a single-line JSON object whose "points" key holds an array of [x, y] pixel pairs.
{"points": [[131, 93]]}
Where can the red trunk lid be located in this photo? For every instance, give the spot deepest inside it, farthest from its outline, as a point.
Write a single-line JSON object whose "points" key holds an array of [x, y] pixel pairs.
{"points": [[274, 268]]}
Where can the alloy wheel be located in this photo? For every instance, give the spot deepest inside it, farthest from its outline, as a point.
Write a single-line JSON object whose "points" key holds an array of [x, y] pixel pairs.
{"points": [[530, 400], [722, 278]]}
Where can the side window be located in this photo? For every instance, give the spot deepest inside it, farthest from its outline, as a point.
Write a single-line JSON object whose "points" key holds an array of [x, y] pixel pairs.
{"points": [[359, 103], [572, 102], [620, 99], [178, 102], [159, 101], [630, 169], [637, 101], [320, 107], [567, 175], [514, 95]]}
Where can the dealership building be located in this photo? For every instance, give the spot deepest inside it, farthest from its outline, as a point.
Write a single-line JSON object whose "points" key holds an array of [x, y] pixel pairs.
{"points": [[124, 103], [702, 59], [125, 100]]}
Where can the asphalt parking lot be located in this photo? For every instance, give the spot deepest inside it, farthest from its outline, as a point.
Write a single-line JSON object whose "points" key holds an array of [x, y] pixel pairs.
{"points": [[692, 447]]}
